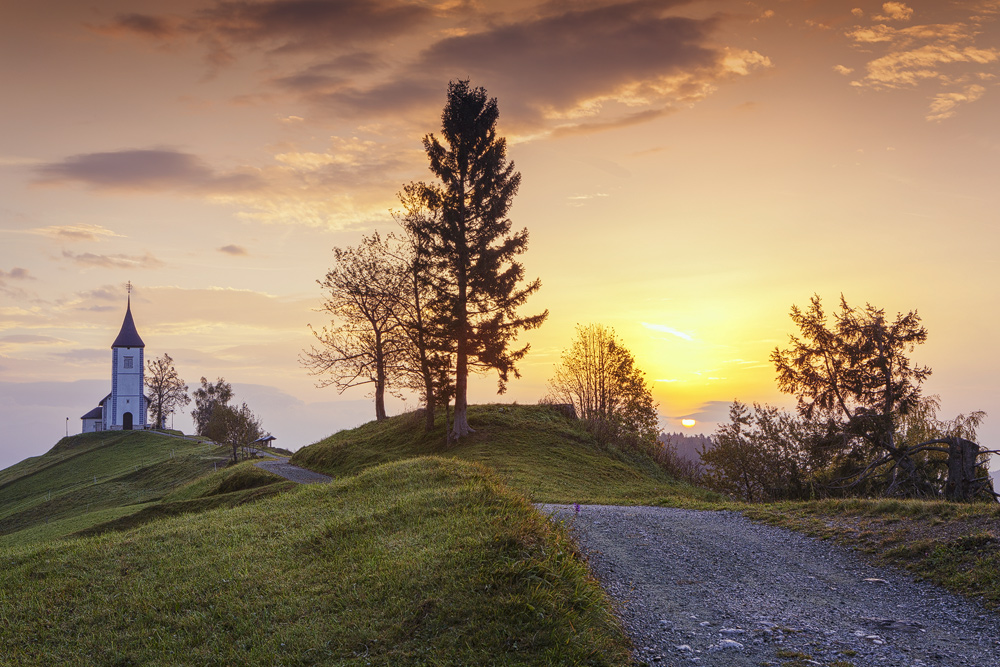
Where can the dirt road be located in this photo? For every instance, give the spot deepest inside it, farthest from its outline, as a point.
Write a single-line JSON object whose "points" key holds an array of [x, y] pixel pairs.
{"points": [[715, 589]]}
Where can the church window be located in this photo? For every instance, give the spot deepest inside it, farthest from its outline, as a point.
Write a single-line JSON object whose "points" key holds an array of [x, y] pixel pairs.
{"points": [[128, 362]]}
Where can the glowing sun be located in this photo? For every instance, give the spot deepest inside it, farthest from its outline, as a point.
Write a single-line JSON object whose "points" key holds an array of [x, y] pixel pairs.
{"points": [[688, 423]]}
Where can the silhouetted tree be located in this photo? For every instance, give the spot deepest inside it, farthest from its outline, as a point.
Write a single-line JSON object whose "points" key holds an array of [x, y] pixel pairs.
{"points": [[856, 371], [167, 391], [428, 357], [364, 345], [598, 375], [470, 243], [206, 398]]}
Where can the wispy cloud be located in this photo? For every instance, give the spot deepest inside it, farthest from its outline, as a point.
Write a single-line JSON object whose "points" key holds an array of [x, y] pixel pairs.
{"points": [[16, 273], [947, 56], [81, 232], [145, 170], [662, 328], [232, 249], [119, 261], [31, 339]]}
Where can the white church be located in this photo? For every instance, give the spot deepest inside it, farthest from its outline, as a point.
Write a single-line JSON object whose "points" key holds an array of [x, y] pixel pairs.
{"points": [[125, 407]]}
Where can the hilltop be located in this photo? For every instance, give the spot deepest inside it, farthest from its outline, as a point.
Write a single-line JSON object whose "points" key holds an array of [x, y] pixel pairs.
{"points": [[535, 449], [112, 478]]}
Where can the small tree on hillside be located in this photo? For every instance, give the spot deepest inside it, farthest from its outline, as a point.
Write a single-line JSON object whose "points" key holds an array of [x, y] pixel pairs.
{"points": [[206, 398], [598, 375], [236, 427], [167, 391]]}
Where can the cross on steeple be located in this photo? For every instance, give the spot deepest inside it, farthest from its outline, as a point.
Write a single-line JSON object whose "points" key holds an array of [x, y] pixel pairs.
{"points": [[128, 286]]}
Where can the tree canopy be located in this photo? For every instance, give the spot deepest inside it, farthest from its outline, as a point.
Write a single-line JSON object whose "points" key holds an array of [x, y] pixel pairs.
{"points": [[206, 397]]}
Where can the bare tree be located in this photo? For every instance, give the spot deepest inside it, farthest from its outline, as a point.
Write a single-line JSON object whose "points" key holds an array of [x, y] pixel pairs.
{"points": [[167, 391], [598, 375], [364, 343]]}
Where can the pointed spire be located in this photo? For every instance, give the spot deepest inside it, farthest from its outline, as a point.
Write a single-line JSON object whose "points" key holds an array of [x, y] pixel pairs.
{"points": [[128, 336]]}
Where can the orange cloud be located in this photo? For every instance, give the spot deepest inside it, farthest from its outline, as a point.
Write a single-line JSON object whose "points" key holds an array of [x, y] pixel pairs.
{"points": [[895, 11], [943, 105], [943, 55]]}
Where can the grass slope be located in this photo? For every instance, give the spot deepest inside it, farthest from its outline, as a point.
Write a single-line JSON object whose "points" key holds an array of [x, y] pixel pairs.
{"points": [[533, 448], [95, 477], [423, 561]]}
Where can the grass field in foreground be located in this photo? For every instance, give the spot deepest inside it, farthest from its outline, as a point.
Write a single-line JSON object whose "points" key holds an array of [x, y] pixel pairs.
{"points": [[955, 545], [533, 448], [425, 561]]}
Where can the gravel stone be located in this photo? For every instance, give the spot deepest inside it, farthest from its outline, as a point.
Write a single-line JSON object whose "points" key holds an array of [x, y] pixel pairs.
{"points": [[687, 583]]}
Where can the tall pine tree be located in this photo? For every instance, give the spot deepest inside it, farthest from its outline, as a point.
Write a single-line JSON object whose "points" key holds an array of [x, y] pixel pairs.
{"points": [[472, 247]]}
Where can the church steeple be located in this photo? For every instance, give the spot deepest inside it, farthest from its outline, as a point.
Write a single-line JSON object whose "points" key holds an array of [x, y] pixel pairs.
{"points": [[126, 407], [128, 336]]}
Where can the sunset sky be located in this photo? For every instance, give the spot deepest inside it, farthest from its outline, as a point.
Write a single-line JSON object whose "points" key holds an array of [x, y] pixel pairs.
{"points": [[690, 170]]}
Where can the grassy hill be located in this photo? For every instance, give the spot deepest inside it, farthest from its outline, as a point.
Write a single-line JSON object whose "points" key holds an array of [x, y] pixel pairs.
{"points": [[534, 449], [93, 479], [423, 561], [419, 553]]}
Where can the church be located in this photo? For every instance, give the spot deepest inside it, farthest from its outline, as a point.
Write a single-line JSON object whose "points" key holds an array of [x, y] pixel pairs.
{"points": [[125, 407]]}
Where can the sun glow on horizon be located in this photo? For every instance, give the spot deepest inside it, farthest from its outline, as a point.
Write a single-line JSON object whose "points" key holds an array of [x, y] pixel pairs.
{"points": [[688, 423]]}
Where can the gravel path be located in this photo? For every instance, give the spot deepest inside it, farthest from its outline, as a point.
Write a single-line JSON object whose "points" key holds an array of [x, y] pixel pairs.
{"points": [[280, 466], [714, 588]]}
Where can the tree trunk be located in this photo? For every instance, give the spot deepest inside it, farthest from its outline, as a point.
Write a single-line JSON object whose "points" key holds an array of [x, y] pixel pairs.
{"points": [[461, 427], [962, 484], [429, 402], [380, 402]]}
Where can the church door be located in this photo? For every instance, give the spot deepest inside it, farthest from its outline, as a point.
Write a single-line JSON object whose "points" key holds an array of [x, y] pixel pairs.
{"points": [[127, 421]]}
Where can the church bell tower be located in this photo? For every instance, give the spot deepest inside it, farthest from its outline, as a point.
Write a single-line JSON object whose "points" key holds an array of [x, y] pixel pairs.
{"points": [[126, 409]]}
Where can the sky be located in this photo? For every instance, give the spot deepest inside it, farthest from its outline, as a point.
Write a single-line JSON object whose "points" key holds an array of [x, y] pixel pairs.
{"points": [[690, 170]]}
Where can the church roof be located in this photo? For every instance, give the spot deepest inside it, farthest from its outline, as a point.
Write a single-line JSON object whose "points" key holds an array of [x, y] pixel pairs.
{"points": [[128, 336], [96, 413]]}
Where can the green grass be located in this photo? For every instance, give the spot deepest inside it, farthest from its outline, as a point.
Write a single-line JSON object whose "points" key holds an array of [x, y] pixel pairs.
{"points": [[89, 479], [533, 448], [227, 487], [423, 561]]}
